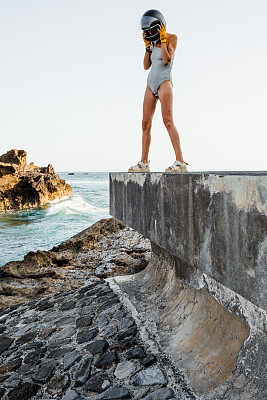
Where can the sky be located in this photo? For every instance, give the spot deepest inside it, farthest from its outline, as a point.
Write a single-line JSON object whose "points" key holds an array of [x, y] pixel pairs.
{"points": [[72, 83]]}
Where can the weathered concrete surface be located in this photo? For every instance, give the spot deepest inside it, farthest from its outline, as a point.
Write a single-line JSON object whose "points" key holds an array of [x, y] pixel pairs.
{"points": [[202, 297], [215, 222]]}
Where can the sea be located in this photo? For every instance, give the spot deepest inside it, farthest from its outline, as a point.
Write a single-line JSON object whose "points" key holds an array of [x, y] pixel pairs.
{"points": [[46, 226]]}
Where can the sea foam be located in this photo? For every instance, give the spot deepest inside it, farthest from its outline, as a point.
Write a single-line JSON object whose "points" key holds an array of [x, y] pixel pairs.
{"points": [[73, 205]]}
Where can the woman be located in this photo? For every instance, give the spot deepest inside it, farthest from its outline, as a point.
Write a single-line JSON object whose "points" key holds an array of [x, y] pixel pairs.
{"points": [[160, 48]]}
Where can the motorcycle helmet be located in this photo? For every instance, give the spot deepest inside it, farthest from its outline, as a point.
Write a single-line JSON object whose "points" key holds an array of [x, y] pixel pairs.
{"points": [[150, 22]]}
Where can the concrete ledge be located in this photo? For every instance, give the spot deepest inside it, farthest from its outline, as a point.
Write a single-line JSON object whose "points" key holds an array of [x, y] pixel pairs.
{"points": [[214, 222]]}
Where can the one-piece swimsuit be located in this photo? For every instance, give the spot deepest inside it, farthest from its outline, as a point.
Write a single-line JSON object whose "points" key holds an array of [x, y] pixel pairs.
{"points": [[159, 72]]}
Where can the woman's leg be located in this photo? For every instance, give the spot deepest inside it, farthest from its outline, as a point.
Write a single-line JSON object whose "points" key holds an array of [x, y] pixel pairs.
{"points": [[149, 106], [166, 99]]}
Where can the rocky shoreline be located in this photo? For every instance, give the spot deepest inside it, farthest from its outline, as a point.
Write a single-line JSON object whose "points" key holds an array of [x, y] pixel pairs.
{"points": [[25, 185], [66, 335], [105, 249]]}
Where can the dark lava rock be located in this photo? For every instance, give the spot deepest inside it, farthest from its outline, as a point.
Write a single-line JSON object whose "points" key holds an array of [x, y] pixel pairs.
{"points": [[24, 391], [127, 333], [70, 395], [44, 305], [4, 377], [59, 353], [13, 381], [83, 321], [67, 306], [2, 392], [58, 384], [86, 335], [119, 315], [26, 369], [11, 365], [148, 360], [68, 320], [99, 346], [115, 393], [127, 323], [95, 383], [123, 344], [136, 352], [70, 358], [45, 372], [106, 359], [33, 345], [108, 304], [44, 333], [110, 331], [5, 342], [161, 394], [2, 328], [102, 321], [149, 376], [27, 337], [34, 357], [82, 372]]}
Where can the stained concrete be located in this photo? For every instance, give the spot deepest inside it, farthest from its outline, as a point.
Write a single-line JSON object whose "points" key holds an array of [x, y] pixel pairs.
{"points": [[216, 223], [202, 297]]}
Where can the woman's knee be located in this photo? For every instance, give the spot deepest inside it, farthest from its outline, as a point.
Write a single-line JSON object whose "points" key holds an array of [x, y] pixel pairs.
{"points": [[146, 125], [168, 122]]}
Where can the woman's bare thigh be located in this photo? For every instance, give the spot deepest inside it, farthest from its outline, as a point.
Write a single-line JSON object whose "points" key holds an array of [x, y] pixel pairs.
{"points": [[149, 105], [166, 99]]}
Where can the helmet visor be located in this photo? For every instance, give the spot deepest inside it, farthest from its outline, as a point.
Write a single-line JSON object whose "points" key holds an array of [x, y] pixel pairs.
{"points": [[151, 33], [147, 21]]}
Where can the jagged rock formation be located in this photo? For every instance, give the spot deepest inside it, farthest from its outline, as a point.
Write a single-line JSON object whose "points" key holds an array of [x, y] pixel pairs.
{"points": [[25, 186], [105, 249]]}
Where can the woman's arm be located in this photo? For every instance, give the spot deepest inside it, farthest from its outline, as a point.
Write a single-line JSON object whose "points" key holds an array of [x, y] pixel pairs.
{"points": [[168, 49], [168, 44], [147, 61]]}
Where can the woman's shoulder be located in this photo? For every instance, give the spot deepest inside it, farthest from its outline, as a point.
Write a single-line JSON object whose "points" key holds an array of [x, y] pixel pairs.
{"points": [[172, 40], [172, 37]]}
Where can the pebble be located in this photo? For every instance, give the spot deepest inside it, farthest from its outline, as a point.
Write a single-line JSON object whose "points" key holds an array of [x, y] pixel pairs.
{"points": [[149, 376], [70, 395], [83, 369], [115, 393], [97, 382], [136, 352], [86, 336], [71, 358], [125, 369], [45, 372], [161, 394], [148, 360], [106, 359], [99, 346]]}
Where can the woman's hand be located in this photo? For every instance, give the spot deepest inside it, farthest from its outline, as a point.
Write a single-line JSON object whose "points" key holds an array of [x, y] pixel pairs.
{"points": [[162, 33], [147, 42]]}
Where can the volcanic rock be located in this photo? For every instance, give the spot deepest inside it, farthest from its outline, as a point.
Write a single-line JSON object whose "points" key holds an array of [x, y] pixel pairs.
{"points": [[71, 263], [25, 186]]}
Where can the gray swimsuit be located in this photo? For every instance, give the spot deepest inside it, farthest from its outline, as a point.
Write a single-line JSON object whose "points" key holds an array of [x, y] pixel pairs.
{"points": [[159, 72]]}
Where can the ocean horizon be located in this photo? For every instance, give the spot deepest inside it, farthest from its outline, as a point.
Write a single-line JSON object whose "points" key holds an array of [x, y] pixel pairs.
{"points": [[43, 227]]}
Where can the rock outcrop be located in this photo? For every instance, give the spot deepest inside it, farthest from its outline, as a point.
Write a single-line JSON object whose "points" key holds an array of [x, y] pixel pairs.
{"points": [[25, 186], [105, 249]]}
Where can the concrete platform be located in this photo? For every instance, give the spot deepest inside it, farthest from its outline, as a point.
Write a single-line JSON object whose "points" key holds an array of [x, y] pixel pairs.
{"points": [[203, 295]]}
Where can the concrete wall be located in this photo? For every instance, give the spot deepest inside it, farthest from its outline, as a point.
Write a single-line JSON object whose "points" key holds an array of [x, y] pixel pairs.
{"points": [[202, 297], [215, 222]]}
